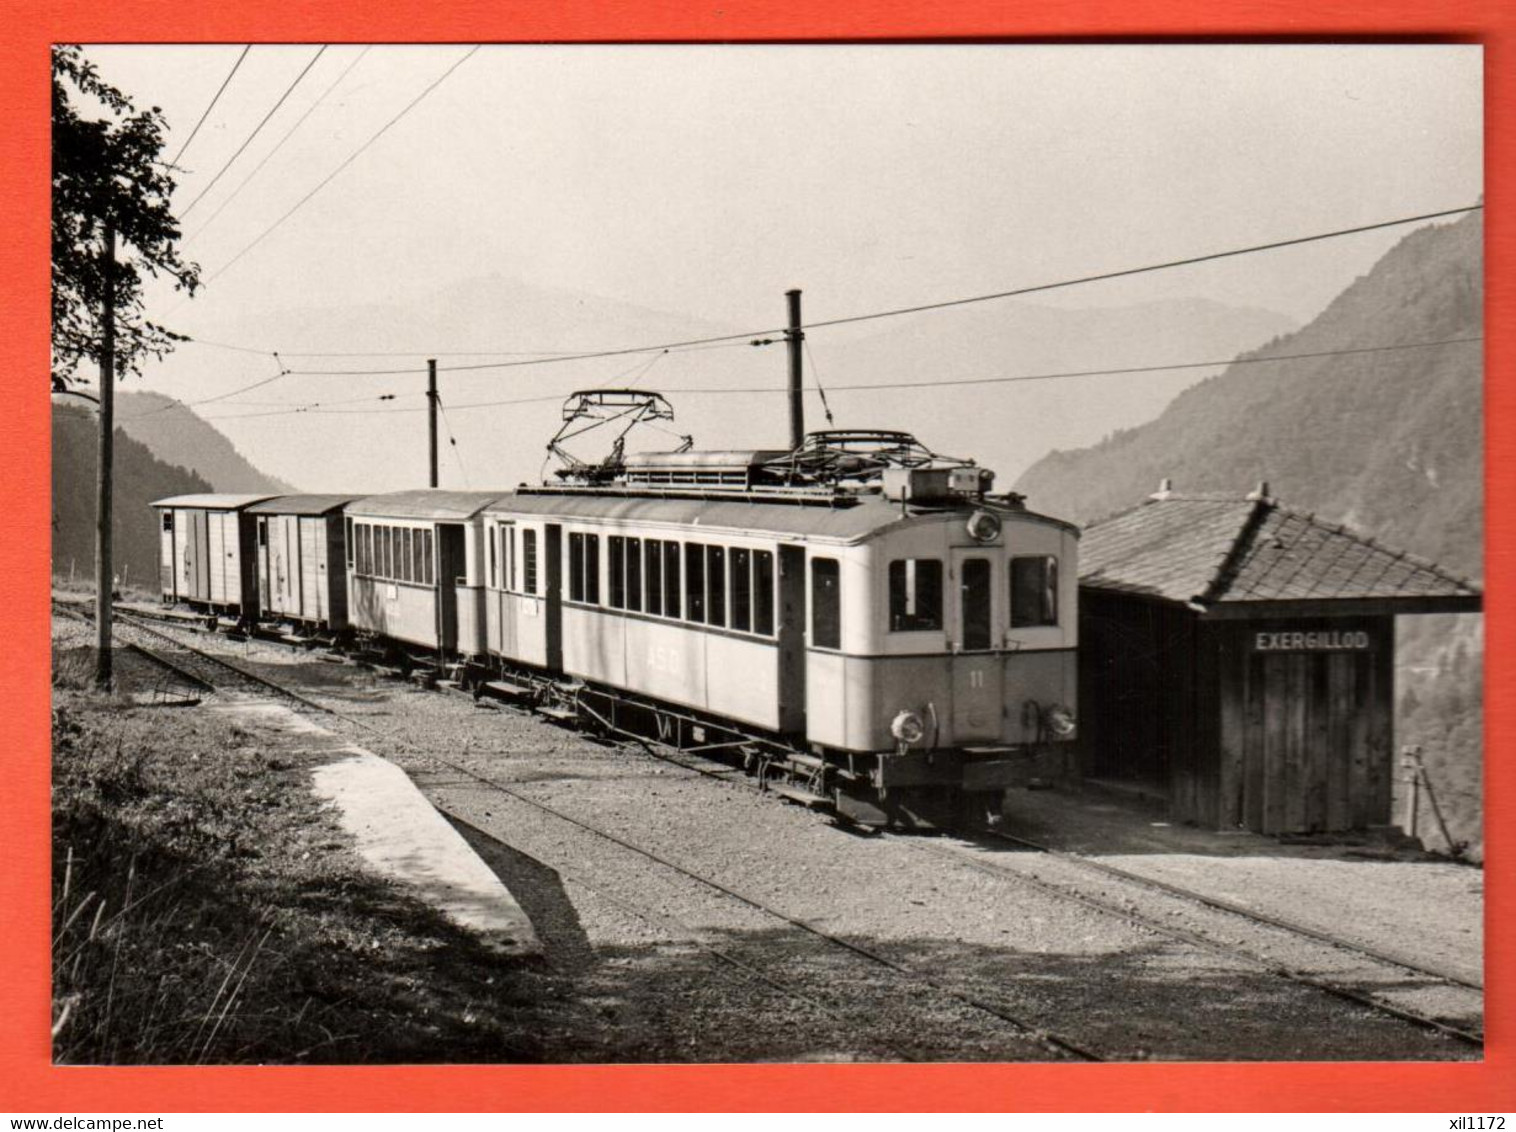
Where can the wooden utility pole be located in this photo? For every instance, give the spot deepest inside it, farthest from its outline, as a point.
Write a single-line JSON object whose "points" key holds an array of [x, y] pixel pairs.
{"points": [[795, 337], [431, 417], [104, 575]]}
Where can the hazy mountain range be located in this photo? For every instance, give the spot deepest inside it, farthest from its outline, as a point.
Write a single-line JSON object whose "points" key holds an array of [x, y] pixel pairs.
{"points": [[726, 395]]}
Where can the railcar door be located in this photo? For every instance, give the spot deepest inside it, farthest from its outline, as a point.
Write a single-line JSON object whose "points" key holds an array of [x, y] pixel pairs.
{"points": [[977, 667], [792, 640], [265, 570], [553, 601], [451, 566]]}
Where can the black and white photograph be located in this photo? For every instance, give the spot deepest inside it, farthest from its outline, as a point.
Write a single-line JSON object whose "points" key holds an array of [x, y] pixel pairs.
{"points": [[789, 553]]}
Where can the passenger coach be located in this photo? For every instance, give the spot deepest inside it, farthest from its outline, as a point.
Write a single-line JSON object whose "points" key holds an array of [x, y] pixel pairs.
{"points": [[415, 568]]}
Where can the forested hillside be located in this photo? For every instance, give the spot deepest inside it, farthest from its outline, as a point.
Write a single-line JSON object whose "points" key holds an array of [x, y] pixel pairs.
{"points": [[140, 478], [1388, 442], [177, 436]]}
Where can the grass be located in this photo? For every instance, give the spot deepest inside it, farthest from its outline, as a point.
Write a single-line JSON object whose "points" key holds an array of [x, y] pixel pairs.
{"points": [[207, 910]]}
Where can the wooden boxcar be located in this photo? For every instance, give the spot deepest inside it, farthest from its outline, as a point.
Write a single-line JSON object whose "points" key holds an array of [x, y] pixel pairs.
{"points": [[208, 558], [415, 568], [302, 572]]}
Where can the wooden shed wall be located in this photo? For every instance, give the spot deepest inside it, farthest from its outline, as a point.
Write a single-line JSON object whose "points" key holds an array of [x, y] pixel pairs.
{"points": [[1306, 737], [1275, 739]]}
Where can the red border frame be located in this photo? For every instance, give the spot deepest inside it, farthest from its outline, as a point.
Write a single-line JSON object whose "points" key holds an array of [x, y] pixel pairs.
{"points": [[28, 1081]]}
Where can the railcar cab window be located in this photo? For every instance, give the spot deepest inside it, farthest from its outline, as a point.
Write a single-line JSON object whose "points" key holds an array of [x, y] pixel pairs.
{"points": [[168, 520], [1034, 591], [348, 546], [915, 595], [262, 531], [826, 603]]}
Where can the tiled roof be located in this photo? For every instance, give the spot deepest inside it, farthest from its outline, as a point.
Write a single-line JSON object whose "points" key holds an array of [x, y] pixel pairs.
{"points": [[1215, 549]]}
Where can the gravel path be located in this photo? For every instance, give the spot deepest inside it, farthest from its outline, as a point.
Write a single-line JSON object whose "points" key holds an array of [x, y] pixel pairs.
{"points": [[680, 971]]}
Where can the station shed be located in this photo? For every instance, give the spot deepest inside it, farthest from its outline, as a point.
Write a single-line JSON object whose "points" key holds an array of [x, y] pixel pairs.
{"points": [[1239, 657]]}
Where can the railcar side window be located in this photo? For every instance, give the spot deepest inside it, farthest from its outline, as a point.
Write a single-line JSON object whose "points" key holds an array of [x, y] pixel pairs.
{"points": [[348, 544], [742, 589], [365, 548], [387, 566], [508, 550], [418, 557], [168, 520], [715, 575], [1034, 591], [262, 532], [529, 560], [426, 556], [584, 567], [826, 603], [763, 592], [694, 581], [408, 571], [671, 579], [654, 574], [634, 574], [576, 566], [616, 565], [494, 576], [915, 594]]}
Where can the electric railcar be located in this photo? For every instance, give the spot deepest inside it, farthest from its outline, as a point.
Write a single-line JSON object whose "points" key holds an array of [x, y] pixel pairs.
{"points": [[894, 653]]}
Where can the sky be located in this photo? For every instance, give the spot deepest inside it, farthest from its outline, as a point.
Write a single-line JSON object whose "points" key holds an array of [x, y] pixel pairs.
{"points": [[697, 184]]}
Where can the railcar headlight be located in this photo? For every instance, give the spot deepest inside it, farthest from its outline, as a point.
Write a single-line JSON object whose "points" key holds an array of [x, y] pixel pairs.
{"points": [[983, 526], [1060, 721], [908, 727]]}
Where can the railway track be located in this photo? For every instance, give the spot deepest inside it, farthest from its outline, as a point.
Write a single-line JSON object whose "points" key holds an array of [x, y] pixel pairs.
{"points": [[1237, 911], [206, 665]]}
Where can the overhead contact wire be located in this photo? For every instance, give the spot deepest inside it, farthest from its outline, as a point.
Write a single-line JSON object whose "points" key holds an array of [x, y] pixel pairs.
{"points": [[256, 131], [349, 160], [215, 98]]}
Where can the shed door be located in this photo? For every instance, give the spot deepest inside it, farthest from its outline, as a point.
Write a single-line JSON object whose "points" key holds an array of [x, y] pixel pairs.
{"points": [[977, 669]]}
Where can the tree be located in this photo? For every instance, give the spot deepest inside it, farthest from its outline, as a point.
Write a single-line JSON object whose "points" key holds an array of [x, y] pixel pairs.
{"points": [[109, 188], [107, 170]]}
